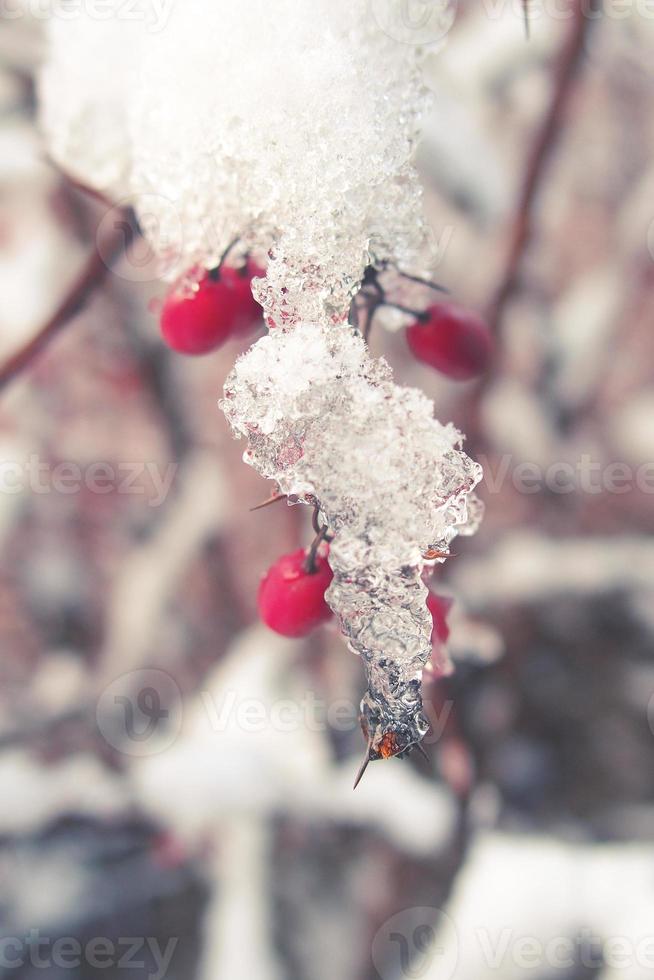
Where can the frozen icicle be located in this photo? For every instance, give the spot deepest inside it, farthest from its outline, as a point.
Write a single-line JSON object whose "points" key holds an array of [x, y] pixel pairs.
{"points": [[326, 421]]}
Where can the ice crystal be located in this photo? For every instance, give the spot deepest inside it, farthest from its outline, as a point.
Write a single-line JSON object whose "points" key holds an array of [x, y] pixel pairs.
{"points": [[301, 142], [325, 421], [84, 89], [289, 124]]}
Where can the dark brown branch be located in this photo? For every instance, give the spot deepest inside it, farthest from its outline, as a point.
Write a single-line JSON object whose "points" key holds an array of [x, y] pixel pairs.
{"points": [[106, 253], [543, 146]]}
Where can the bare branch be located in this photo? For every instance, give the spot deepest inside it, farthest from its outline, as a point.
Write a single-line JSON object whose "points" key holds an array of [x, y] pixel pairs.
{"points": [[107, 251], [543, 146]]}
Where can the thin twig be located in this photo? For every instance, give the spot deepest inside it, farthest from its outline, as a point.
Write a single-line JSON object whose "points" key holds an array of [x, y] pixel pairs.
{"points": [[421, 315], [322, 534], [104, 256], [418, 279], [273, 499], [544, 144]]}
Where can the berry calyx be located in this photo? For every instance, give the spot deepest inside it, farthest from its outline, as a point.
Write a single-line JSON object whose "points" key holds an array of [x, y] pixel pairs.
{"points": [[222, 305], [453, 340], [291, 597]]}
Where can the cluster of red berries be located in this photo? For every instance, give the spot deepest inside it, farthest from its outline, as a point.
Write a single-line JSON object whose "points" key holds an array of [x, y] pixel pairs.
{"points": [[447, 337], [220, 306], [292, 602], [291, 596]]}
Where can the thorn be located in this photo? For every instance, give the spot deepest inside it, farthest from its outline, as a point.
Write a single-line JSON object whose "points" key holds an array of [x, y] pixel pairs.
{"points": [[421, 315], [425, 282], [271, 500], [419, 279], [363, 766]]}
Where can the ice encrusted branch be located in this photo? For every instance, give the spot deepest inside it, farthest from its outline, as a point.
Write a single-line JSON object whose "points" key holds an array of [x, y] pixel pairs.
{"points": [[325, 421], [292, 125]]}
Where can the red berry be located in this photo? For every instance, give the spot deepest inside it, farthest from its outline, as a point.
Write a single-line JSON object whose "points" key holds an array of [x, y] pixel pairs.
{"points": [[291, 599], [198, 322], [439, 606], [453, 340]]}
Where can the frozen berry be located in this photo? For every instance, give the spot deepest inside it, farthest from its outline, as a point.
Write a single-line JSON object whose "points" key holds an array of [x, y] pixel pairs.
{"points": [[439, 606], [291, 597], [221, 306], [453, 340]]}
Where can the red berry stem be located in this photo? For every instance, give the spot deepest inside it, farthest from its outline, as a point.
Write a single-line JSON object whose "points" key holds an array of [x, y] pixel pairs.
{"points": [[310, 565], [214, 274], [314, 519], [374, 296]]}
